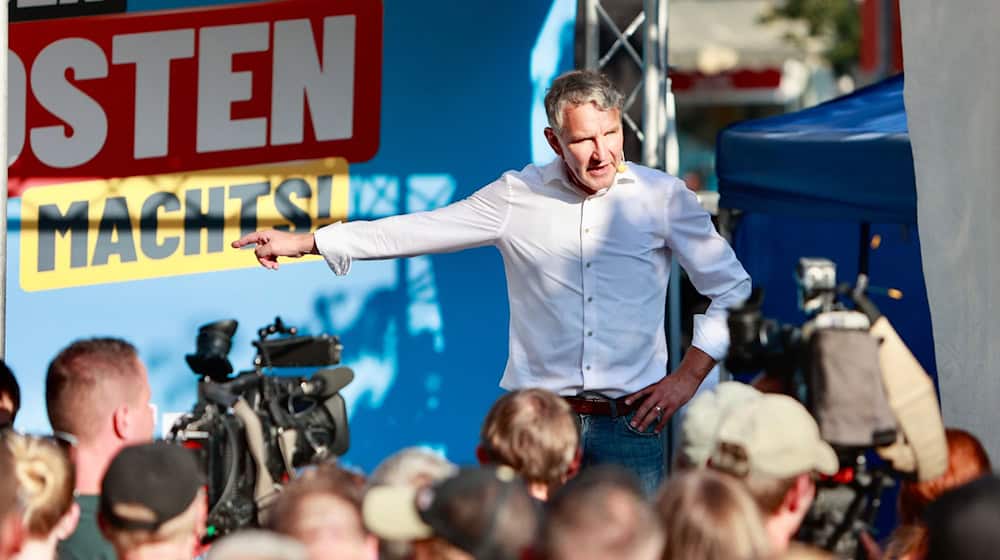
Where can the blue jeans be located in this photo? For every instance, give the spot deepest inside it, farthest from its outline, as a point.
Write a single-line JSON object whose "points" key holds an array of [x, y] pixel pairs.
{"points": [[614, 440]]}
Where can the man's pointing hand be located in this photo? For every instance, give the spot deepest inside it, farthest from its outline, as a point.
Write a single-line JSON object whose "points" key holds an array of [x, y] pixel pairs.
{"points": [[272, 244]]}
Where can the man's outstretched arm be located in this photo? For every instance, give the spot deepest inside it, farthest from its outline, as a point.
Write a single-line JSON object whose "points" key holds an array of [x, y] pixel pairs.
{"points": [[272, 244], [473, 222]]}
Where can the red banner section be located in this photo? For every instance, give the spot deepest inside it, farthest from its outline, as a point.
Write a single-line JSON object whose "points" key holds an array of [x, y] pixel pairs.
{"points": [[143, 94]]}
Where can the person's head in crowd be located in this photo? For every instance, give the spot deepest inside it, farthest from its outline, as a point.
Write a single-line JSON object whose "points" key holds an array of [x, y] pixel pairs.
{"points": [[710, 516], [602, 513], [481, 514], [802, 551], [534, 432], [255, 544], [702, 417], [45, 476], [10, 396], [12, 532], [322, 510], [152, 502], [97, 391], [773, 445], [967, 461], [415, 467], [964, 523]]}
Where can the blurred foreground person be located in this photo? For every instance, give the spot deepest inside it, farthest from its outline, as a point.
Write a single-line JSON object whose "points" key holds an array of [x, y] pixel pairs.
{"points": [[415, 467], [534, 432], [153, 505], [964, 523], [10, 396], [603, 513], [701, 421], [258, 545], [322, 510], [708, 515], [46, 477], [481, 514], [98, 399], [967, 461], [772, 444], [11, 524]]}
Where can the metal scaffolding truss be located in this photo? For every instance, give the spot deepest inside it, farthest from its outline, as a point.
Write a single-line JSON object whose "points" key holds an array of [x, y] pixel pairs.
{"points": [[628, 39]]}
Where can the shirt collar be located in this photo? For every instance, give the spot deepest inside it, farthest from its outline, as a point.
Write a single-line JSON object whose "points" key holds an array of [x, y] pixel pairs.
{"points": [[555, 171]]}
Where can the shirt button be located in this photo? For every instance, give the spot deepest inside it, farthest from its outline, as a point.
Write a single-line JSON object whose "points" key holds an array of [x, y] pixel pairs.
{"points": [[590, 333], [588, 265], [587, 230], [587, 368], [590, 299]]}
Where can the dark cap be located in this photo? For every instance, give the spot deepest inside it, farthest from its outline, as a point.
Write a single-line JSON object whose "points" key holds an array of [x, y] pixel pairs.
{"points": [[147, 485], [464, 510]]}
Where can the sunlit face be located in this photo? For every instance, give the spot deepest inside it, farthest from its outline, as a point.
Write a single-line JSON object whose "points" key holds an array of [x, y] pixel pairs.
{"points": [[331, 528], [590, 143]]}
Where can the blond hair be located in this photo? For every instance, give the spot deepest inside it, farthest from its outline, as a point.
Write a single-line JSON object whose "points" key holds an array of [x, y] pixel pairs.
{"points": [[46, 477], [186, 525], [534, 432], [709, 515]]}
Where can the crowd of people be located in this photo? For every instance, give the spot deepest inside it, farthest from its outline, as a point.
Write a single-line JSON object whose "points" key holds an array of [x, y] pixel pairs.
{"points": [[744, 477]]}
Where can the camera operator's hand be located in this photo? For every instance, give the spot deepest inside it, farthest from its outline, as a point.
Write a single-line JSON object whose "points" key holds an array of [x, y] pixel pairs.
{"points": [[662, 399], [272, 244]]}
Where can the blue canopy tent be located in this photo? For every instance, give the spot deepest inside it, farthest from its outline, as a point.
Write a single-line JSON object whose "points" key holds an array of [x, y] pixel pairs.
{"points": [[847, 158], [805, 182]]}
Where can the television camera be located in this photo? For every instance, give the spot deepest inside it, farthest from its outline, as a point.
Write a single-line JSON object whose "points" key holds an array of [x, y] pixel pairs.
{"points": [[253, 429], [869, 395]]}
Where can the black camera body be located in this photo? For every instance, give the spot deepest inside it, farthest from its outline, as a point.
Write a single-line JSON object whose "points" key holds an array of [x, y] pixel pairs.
{"points": [[253, 430]]}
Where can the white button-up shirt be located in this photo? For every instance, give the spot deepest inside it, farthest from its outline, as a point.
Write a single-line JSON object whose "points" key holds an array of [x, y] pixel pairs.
{"points": [[586, 275]]}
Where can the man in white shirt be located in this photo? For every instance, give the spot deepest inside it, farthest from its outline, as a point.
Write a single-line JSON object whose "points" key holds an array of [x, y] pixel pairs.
{"points": [[586, 243]]}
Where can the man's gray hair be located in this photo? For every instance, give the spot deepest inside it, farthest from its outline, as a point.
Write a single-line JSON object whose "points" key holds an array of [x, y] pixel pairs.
{"points": [[578, 87]]}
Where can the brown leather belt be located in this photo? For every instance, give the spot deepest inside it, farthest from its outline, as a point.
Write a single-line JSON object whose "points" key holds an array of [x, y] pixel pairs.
{"points": [[601, 407]]}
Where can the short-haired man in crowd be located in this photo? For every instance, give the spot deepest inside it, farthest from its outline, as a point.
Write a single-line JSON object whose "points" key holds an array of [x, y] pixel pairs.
{"points": [[773, 445], [478, 514], [603, 513], [98, 398], [587, 243], [152, 502], [322, 510], [534, 432]]}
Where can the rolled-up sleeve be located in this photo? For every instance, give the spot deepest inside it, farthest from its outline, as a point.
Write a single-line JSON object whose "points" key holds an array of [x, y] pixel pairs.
{"points": [[711, 265], [476, 221]]}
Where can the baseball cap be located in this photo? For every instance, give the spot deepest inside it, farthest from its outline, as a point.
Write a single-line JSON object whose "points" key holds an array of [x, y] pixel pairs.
{"points": [[463, 510], [775, 436], [702, 417], [149, 484]]}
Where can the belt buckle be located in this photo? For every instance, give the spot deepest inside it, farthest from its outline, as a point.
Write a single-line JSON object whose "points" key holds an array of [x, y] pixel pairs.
{"points": [[599, 397]]}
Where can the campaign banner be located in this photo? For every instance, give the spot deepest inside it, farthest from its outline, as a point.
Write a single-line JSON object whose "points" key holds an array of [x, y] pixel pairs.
{"points": [[153, 93], [116, 230]]}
